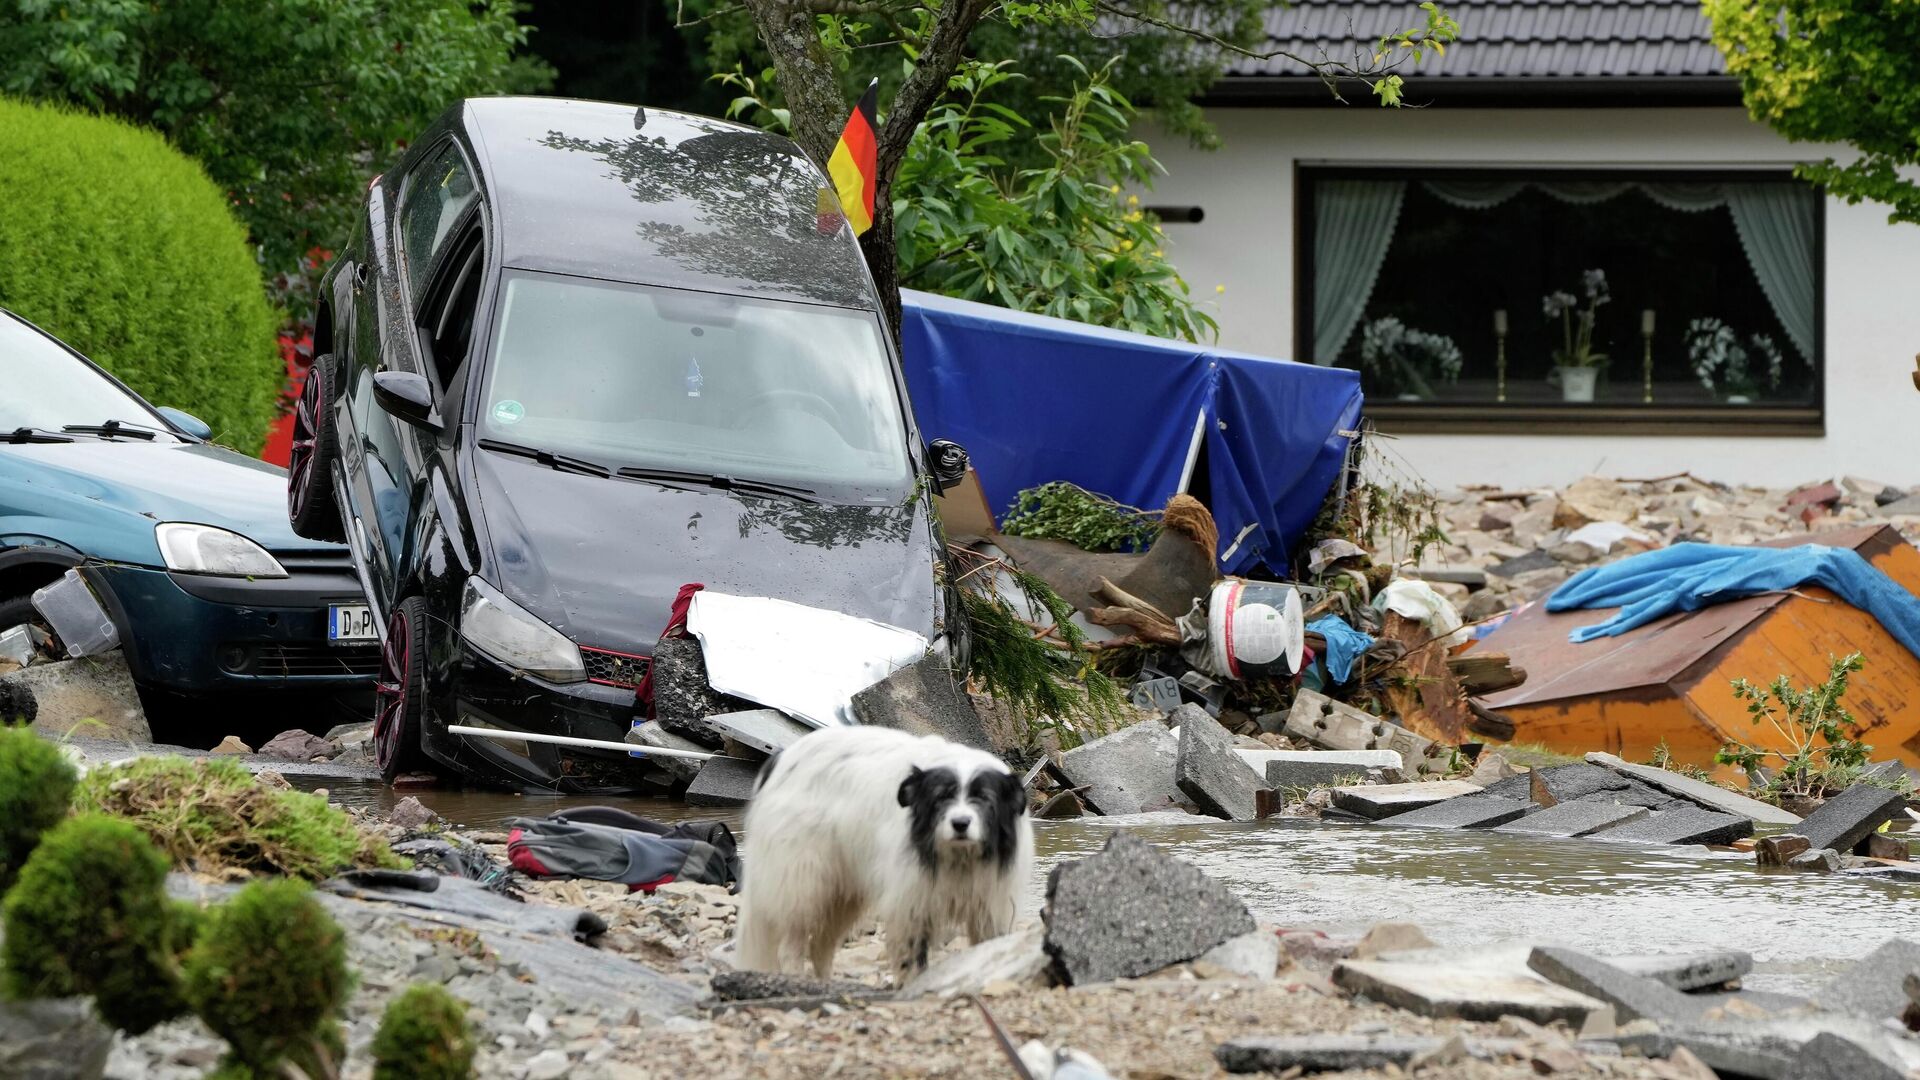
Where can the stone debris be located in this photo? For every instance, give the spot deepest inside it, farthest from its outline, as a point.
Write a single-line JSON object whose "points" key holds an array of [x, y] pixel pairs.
{"points": [[654, 733], [230, 745], [1481, 811], [1698, 792], [1685, 825], [1463, 992], [1391, 937], [682, 698], [298, 745], [767, 731], [1846, 819], [925, 698], [411, 814], [1321, 1053], [723, 781], [1386, 800], [1817, 860], [1566, 783], [1128, 771], [1333, 725], [1633, 997], [1573, 819], [52, 1039], [1875, 987], [1692, 971], [1778, 849], [1016, 960], [1253, 955], [1208, 771], [93, 694], [1131, 910], [1300, 773]]}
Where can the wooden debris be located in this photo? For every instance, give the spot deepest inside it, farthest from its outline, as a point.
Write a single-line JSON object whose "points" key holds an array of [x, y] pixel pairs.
{"points": [[1485, 672]]}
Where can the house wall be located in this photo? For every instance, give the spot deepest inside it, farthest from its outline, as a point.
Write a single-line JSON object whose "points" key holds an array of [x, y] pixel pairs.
{"points": [[1871, 281]]}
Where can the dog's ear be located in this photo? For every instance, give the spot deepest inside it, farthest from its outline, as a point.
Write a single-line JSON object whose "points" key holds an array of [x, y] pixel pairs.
{"points": [[907, 786], [1011, 793]]}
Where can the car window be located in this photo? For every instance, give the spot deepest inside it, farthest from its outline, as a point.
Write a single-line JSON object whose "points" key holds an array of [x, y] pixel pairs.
{"points": [[439, 190], [446, 327], [627, 375], [49, 387]]}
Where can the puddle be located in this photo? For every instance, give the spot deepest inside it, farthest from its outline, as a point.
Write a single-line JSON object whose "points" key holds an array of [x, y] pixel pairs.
{"points": [[1463, 888]]}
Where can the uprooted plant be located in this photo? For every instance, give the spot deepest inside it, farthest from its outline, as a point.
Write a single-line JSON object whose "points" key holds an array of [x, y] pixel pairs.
{"points": [[1821, 739], [1089, 521]]}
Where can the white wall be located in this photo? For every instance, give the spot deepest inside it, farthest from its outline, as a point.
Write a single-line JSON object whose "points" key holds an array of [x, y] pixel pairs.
{"points": [[1872, 277]]}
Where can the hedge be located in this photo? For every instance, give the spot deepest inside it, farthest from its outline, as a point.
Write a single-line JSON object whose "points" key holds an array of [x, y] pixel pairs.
{"points": [[118, 244]]}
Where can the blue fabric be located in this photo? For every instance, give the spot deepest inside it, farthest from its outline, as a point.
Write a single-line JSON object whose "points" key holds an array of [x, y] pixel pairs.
{"points": [[1035, 399], [1688, 577], [1344, 645]]}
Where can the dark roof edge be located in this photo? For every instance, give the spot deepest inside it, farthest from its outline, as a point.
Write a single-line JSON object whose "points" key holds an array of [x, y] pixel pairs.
{"points": [[1512, 92]]}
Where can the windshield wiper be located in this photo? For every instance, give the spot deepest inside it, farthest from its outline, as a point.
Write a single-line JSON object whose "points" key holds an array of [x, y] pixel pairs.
{"points": [[557, 462], [36, 435], [718, 480], [113, 429]]}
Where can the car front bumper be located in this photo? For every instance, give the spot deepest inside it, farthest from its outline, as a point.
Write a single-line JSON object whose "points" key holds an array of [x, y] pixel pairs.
{"points": [[192, 634]]}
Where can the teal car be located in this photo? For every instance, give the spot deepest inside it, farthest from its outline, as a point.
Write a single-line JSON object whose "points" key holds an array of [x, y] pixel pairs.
{"points": [[185, 544]]}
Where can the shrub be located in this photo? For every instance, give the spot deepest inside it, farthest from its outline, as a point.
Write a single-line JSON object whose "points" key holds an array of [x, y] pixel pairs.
{"points": [[211, 815], [1822, 751], [121, 246], [269, 973], [423, 1036], [36, 787], [89, 915]]}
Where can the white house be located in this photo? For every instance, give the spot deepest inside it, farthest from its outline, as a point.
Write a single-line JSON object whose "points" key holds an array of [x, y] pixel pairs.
{"points": [[1557, 137]]}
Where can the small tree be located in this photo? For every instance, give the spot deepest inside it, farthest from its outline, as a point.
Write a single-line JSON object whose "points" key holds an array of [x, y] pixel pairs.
{"points": [[1834, 71], [36, 787], [423, 1036], [1823, 751]]}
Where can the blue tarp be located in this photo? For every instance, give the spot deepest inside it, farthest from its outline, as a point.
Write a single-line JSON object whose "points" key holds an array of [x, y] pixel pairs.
{"points": [[1688, 577], [1035, 399]]}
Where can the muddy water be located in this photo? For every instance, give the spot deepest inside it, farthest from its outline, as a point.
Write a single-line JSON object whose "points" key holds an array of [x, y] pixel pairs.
{"points": [[1463, 888]]}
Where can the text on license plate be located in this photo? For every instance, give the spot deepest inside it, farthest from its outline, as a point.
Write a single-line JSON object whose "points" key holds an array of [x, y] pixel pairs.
{"points": [[349, 622]]}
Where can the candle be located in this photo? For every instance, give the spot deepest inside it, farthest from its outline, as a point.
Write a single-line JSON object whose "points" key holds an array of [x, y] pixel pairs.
{"points": [[1500, 322], [1646, 323]]}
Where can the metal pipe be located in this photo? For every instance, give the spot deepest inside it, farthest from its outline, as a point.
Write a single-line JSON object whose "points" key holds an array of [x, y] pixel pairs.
{"points": [[568, 740]]}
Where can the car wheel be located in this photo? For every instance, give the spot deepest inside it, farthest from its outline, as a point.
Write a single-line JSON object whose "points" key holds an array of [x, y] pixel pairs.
{"points": [[15, 610], [400, 695], [310, 505]]}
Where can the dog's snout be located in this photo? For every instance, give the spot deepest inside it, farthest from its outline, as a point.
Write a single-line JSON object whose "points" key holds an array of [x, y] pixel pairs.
{"points": [[961, 823]]}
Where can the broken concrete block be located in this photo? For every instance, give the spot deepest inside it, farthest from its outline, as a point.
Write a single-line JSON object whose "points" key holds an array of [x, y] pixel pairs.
{"points": [[1254, 955], [1320, 1053], [1297, 775], [1467, 812], [1681, 825], [1873, 988], [1467, 993], [1391, 937], [1332, 725], [723, 781], [1130, 911], [1778, 849], [1565, 783], [766, 730], [681, 697], [91, 698], [1361, 760], [653, 733], [1127, 771], [1633, 997], [1206, 768], [1573, 819], [298, 745], [1817, 860], [1385, 800], [925, 698], [1689, 971], [1830, 1056], [1845, 819], [1697, 791], [1018, 958]]}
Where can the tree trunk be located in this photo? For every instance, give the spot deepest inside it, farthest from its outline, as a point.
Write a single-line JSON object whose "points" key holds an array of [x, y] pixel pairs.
{"points": [[879, 246]]}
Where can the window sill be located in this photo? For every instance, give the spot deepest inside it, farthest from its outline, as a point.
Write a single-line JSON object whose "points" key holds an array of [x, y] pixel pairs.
{"points": [[1428, 418]]}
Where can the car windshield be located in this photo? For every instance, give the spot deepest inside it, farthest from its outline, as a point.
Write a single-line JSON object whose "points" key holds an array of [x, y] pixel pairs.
{"points": [[643, 378], [48, 387]]}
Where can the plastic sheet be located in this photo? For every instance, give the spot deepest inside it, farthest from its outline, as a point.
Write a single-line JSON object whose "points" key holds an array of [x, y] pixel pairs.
{"points": [[804, 661]]}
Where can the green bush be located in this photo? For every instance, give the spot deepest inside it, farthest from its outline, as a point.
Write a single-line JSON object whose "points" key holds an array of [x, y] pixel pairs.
{"points": [[90, 915], [269, 973], [423, 1036], [36, 787], [120, 245]]}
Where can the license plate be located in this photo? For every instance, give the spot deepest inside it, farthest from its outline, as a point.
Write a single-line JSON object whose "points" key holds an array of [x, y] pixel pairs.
{"points": [[348, 623]]}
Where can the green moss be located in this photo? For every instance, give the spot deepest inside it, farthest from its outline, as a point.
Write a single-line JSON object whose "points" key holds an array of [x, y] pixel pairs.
{"points": [[269, 973], [120, 245], [89, 915], [36, 787], [423, 1036], [212, 815]]}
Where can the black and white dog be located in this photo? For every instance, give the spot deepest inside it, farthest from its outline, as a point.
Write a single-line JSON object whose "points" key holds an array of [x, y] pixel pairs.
{"points": [[931, 836]]}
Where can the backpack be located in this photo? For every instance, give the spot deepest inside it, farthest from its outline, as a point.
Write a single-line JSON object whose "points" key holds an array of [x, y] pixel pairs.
{"points": [[603, 843]]}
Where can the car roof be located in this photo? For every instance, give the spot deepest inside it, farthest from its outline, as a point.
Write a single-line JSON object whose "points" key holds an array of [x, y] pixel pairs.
{"points": [[659, 198]]}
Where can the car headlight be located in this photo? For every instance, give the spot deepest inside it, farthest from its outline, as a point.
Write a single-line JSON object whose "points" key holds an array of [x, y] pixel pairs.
{"points": [[204, 549], [516, 637]]}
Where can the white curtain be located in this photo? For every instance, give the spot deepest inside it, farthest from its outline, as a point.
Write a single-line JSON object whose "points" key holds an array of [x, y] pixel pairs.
{"points": [[1777, 223], [1353, 225]]}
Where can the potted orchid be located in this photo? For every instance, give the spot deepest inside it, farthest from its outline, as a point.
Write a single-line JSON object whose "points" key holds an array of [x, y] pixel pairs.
{"points": [[1576, 363], [1737, 370], [1406, 360]]}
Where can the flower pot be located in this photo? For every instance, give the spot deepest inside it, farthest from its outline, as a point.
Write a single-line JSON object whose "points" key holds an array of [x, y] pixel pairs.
{"points": [[1576, 383], [1739, 399]]}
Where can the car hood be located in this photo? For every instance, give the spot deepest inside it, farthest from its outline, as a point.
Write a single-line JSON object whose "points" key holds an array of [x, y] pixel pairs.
{"points": [[103, 498], [603, 559]]}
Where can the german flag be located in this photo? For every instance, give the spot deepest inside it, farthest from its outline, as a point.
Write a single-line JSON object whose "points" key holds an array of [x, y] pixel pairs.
{"points": [[852, 165]]}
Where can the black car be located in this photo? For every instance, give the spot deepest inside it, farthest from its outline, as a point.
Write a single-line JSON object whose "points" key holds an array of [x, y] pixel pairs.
{"points": [[575, 356]]}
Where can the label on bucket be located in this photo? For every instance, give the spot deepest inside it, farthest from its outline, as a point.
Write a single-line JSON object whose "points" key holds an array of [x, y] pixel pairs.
{"points": [[1259, 634]]}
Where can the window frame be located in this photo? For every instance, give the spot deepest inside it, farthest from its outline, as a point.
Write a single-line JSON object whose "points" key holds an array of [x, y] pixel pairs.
{"points": [[409, 187], [1564, 418]]}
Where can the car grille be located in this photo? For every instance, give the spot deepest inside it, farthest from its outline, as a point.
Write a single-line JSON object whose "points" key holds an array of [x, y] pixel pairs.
{"points": [[279, 659], [323, 560], [614, 668]]}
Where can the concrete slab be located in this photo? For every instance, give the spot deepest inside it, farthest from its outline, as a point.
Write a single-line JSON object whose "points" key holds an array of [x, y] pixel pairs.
{"points": [[1633, 997], [1307, 775], [1385, 800], [1689, 971], [1697, 791], [1361, 759], [1334, 725], [723, 781], [1681, 825], [1847, 818], [653, 733], [1128, 771], [1207, 770], [766, 730], [1443, 990], [1829, 1056], [1565, 783], [1131, 910], [1467, 812], [1573, 819], [1874, 987], [924, 698]]}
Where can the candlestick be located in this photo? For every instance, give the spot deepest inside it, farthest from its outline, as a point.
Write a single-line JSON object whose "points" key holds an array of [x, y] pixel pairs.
{"points": [[1500, 354], [1646, 355], [1646, 323]]}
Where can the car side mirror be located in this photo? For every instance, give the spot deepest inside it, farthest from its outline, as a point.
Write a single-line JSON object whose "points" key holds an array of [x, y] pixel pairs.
{"points": [[408, 397], [187, 423], [947, 461]]}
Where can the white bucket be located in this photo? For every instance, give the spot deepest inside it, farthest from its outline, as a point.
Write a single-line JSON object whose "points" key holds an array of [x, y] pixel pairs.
{"points": [[1255, 628], [1576, 383]]}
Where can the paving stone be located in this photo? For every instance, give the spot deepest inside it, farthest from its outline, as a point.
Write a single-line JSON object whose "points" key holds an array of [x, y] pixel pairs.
{"points": [[1573, 819], [924, 698], [1333, 725], [1445, 990], [1467, 812], [1513, 787], [1689, 971], [1697, 791], [1385, 800], [1208, 771], [1254, 955], [1130, 911], [1524, 564], [1320, 1053], [1307, 775], [766, 730], [1018, 958], [723, 781], [1873, 987], [1128, 771], [1633, 997], [653, 733], [1680, 825], [1828, 1056], [1845, 819], [1565, 783]]}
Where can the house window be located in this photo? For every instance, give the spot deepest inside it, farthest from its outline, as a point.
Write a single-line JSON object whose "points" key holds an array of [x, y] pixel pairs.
{"points": [[1573, 301]]}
